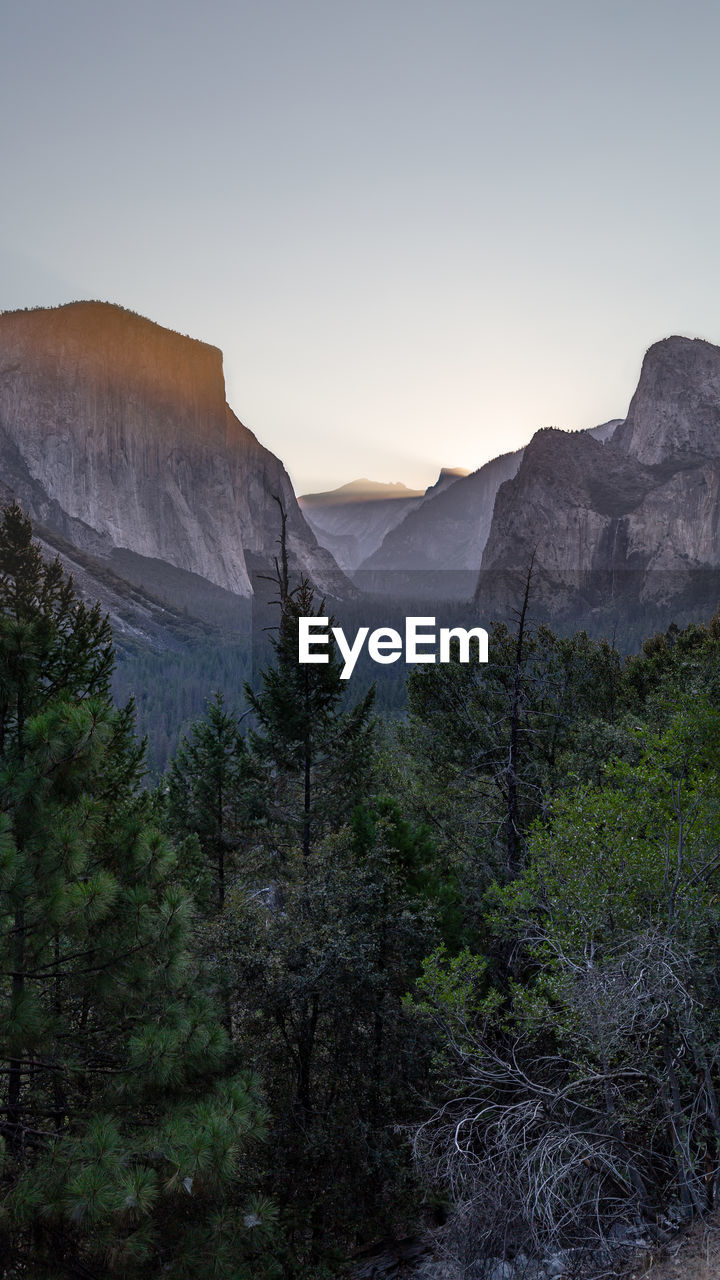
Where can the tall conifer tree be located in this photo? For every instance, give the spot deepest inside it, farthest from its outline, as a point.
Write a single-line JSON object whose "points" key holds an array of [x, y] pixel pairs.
{"points": [[316, 756], [121, 1129], [212, 788]]}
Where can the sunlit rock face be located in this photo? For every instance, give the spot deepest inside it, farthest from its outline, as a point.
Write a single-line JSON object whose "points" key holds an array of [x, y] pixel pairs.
{"points": [[115, 432], [635, 517]]}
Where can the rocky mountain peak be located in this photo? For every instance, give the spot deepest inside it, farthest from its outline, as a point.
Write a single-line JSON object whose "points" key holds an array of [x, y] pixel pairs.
{"points": [[448, 476], [359, 491], [675, 411], [634, 518]]}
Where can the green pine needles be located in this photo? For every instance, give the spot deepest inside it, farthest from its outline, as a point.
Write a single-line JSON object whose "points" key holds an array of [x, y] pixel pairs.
{"points": [[316, 757], [120, 1107]]}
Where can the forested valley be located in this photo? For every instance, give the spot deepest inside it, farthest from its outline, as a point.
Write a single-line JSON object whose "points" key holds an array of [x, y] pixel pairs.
{"points": [[338, 981]]}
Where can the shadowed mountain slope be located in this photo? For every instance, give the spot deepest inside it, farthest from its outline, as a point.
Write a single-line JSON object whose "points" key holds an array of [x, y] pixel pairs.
{"points": [[633, 522]]}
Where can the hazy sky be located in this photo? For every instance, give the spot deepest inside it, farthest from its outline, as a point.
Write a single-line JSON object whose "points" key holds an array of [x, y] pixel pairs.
{"points": [[418, 229]]}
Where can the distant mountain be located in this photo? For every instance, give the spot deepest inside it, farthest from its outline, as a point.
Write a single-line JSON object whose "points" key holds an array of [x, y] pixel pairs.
{"points": [[437, 549], [448, 476], [353, 520], [359, 491], [605, 431], [445, 535], [116, 437], [633, 523]]}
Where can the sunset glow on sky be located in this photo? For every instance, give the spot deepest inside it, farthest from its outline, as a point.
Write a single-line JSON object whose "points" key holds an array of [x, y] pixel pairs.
{"points": [[418, 230]]}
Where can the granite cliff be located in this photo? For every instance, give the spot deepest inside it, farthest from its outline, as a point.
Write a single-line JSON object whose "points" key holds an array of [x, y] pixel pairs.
{"points": [[116, 437], [633, 521]]}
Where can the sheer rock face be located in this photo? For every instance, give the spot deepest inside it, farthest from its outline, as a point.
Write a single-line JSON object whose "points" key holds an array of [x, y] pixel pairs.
{"points": [[675, 412], [637, 514], [115, 433]]}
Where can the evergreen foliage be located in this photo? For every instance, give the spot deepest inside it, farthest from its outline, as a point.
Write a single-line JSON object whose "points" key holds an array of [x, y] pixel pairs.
{"points": [[170, 689], [485, 748], [496, 929], [324, 924], [579, 1043], [213, 789], [123, 1127], [316, 757], [318, 966], [319, 959]]}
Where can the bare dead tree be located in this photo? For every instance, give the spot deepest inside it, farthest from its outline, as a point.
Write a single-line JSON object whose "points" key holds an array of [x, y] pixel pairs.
{"points": [[546, 1149]]}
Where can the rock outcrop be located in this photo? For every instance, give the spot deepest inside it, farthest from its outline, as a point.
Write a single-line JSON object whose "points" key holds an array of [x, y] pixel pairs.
{"points": [[115, 435], [634, 520], [674, 416], [448, 476]]}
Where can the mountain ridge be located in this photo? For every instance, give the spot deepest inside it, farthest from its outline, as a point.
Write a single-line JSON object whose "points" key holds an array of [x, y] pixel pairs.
{"points": [[439, 546], [635, 523], [353, 520], [360, 491]]}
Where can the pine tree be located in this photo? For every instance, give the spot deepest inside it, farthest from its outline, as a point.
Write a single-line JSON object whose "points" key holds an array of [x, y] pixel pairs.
{"points": [[122, 1128], [212, 788], [316, 757], [317, 991], [317, 962], [50, 643], [485, 747]]}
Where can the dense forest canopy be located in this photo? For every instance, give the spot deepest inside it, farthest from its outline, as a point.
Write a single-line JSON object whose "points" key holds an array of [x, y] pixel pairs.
{"points": [[340, 979]]}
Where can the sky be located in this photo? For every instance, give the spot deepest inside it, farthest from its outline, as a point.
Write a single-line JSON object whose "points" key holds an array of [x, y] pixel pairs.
{"points": [[419, 230]]}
